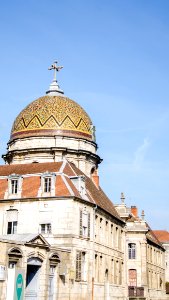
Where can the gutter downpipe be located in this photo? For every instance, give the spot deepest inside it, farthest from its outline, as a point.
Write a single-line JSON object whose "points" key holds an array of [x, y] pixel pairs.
{"points": [[93, 271]]}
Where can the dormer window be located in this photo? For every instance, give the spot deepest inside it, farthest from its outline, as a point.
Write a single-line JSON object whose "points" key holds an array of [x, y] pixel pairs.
{"points": [[79, 183], [14, 186], [47, 184]]}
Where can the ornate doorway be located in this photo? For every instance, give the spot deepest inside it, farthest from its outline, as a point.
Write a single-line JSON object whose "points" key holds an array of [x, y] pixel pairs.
{"points": [[32, 278]]}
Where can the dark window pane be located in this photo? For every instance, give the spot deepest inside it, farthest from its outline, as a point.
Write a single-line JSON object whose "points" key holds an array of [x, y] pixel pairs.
{"points": [[9, 230]]}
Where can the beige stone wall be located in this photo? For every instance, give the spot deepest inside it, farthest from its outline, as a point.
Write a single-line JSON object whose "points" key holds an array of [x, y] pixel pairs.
{"points": [[106, 242], [155, 268], [52, 149], [27, 252], [139, 262], [166, 246]]}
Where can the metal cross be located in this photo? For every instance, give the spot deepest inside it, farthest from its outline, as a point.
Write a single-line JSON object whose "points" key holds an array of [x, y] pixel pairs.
{"points": [[55, 68]]}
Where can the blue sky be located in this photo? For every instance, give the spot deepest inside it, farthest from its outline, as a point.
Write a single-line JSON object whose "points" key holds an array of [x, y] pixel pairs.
{"points": [[115, 58]]}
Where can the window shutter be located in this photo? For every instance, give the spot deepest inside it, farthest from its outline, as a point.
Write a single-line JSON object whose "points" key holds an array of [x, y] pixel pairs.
{"points": [[80, 225], [78, 266], [89, 225]]}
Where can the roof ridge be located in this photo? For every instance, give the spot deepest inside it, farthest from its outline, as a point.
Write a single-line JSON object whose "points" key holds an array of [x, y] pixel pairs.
{"points": [[67, 185], [62, 166], [70, 165]]}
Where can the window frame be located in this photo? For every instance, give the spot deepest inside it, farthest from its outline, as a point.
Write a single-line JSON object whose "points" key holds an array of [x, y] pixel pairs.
{"points": [[132, 251], [47, 184], [81, 272], [12, 228], [47, 228], [14, 185], [84, 224]]}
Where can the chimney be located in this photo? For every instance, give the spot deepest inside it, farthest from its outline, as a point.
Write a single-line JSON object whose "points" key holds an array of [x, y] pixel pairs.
{"points": [[134, 211], [95, 178]]}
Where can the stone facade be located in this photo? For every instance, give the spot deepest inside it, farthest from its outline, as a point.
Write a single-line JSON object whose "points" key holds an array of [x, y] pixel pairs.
{"points": [[145, 265], [81, 225], [52, 149], [163, 237], [18, 253]]}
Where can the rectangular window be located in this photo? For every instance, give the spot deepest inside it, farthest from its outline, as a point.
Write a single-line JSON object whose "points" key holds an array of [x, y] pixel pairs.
{"points": [[14, 186], [45, 228], [131, 251], [47, 184], [84, 223], [12, 227], [80, 266]]}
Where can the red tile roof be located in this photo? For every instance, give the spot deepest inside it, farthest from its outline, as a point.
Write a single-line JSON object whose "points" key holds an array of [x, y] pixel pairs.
{"points": [[33, 168], [3, 187], [61, 188], [64, 186], [98, 196], [162, 235], [30, 187], [151, 236]]}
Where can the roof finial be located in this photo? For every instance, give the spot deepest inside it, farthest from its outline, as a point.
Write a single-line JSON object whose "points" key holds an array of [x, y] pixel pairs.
{"points": [[122, 198], [142, 214], [54, 88]]}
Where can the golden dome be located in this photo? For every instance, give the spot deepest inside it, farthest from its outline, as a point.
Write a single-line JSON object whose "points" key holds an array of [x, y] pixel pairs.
{"points": [[50, 116]]}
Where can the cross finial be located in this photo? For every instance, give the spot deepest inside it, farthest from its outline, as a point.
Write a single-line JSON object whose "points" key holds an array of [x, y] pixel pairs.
{"points": [[55, 68], [54, 87]]}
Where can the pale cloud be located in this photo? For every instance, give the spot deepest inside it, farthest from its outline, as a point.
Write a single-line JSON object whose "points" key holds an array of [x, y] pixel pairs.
{"points": [[140, 153]]}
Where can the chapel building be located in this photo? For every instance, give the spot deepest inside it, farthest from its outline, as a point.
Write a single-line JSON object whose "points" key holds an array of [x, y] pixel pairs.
{"points": [[60, 235]]}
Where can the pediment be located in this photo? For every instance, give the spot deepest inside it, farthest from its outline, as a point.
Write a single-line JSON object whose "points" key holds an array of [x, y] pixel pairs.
{"points": [[39, 240]]}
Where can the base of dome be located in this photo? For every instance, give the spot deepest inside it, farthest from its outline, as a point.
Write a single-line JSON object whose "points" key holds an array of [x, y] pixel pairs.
{"points": [[50, 132]]}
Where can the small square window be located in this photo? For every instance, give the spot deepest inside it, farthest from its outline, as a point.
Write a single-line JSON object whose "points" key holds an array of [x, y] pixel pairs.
{"points": [[45, 228]]}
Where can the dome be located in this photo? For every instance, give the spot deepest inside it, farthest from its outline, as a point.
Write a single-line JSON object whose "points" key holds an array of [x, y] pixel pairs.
{"points": [[52, 116]]}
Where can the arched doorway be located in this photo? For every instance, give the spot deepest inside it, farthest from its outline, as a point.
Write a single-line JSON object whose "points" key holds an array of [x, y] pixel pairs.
{"points": [[32, 278]]}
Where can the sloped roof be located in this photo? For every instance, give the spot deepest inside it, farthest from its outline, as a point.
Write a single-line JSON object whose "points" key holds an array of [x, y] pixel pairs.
{"points": [[150, 234], [64, 187], [23, 238], [97, 195], [152, 237], [23, 169], [162, 235]]}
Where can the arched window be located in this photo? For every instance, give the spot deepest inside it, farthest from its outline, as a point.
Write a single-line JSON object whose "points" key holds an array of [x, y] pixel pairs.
{"points": [[54, 259], [14, 255], [131, 251]]}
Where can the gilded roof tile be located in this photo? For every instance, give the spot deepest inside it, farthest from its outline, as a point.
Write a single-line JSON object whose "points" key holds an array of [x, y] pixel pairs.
{"points": [[52, 115]]}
